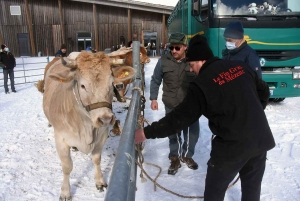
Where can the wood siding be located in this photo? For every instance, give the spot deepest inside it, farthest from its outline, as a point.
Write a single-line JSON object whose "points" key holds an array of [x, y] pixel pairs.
{"points": [[78, 17]]}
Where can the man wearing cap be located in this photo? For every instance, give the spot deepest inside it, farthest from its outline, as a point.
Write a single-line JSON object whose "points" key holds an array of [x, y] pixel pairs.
{"points": [[174, 72], [238, 49], [8, 62], [62, 52], [232, 97]]}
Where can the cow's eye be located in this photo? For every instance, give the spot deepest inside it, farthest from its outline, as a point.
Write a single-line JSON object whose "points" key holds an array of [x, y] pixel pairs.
{"points": [[82, 87], [140, 54]]}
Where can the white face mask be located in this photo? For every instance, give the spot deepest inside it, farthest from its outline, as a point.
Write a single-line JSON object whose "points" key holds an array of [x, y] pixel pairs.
{"points": [[6, 49], [230, 45]]}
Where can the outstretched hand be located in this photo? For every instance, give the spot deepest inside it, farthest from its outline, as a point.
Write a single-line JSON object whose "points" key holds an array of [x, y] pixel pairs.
{"points": [[139, 136]]}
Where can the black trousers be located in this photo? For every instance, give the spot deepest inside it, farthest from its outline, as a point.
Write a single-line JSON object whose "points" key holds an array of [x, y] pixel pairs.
{"points": [[9, 72], [220, 174]]}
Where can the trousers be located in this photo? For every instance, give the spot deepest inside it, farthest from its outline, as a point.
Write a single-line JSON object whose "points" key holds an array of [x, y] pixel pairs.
{"points": [[10, 73], [220, 174], [190, 136]]}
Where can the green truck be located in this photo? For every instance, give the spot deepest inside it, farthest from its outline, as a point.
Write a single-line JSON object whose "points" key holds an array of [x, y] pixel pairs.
{"points": [[273, 30]]}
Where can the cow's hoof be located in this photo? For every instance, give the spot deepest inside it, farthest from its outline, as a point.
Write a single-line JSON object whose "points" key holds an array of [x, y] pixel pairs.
{"points": [[101, 187], [65, 199]]}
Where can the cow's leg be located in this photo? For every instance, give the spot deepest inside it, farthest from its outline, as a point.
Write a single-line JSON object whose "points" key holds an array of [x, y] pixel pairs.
{"points": [[96, 157], [63, 151]]}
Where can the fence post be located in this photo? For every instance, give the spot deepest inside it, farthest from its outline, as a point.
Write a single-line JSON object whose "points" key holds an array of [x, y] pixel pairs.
{"points": [[24, 69], [122, 183]]}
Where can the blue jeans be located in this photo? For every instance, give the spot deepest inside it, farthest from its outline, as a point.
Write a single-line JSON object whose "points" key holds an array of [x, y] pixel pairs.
{"points": [[190, 136], [11, 74]]}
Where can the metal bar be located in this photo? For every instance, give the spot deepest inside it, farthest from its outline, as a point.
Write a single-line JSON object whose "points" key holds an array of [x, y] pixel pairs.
{"points": [[136, 58], [132, 182], [123, 177]]}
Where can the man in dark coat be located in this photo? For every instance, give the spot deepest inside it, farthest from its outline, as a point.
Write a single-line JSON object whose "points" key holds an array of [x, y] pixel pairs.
{"points": [[62, 52], [238, 49], [8, 62], [232, 97]]}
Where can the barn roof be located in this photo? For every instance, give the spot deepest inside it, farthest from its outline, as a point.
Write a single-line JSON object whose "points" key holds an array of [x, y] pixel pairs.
{"points": [[132, 4]]}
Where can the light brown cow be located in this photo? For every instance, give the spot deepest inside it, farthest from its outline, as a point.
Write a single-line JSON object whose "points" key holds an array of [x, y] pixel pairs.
{"points": [[126, 53], [77, 102]]}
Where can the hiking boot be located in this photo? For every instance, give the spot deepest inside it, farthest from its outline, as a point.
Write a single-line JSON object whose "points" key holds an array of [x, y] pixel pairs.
{"points": [[14, 91], [7, 92], [175, 165], [189, 162]]}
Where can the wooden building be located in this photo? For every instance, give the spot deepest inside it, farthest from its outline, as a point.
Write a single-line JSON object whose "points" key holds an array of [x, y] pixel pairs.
{"points": [[32, 26]]}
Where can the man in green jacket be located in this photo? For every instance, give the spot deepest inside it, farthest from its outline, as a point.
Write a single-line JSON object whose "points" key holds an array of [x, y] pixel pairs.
{"points": [[174, 72]]}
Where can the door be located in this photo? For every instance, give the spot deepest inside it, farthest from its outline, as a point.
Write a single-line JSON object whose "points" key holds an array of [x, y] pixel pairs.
{"points": [[23, 39], [84, 40]]}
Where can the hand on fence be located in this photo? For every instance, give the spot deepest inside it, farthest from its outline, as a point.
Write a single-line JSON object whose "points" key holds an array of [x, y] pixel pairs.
{"points": [[139, 136]]}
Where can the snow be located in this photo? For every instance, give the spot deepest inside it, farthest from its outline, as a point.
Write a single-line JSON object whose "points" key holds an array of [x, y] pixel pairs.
{"points": [[30, 168]]}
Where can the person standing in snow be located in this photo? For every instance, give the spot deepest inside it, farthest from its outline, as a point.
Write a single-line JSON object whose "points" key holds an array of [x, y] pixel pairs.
{"points": [[174, 72], [238, 49], [8, 62], [233, 98]]}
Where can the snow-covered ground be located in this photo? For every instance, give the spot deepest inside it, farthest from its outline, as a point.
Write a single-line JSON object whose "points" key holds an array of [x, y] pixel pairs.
{"points": [[30, 168]]}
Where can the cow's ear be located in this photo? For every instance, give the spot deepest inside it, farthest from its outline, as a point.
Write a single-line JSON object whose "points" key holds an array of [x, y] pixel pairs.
{"points": [[123, 73], [63, 76]]}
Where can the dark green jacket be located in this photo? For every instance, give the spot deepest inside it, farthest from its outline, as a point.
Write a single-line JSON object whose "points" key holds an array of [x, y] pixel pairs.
{"points": [[175, 76]]}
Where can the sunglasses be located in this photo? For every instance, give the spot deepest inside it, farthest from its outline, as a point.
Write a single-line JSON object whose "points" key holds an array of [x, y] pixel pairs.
{"points": [[177, 48]]}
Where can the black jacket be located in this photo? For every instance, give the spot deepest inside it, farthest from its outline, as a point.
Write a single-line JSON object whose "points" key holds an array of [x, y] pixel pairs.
{"points": [[7, 60], [246, 54], [232, 97], [60, 53]]}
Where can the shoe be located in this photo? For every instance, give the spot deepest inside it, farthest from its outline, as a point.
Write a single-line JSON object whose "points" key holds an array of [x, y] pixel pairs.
{"points": [[175, 165], [14, 91], [7, 92], [189, 162]]}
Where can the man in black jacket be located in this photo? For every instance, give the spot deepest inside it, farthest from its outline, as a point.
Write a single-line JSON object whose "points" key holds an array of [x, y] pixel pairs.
{"points": [[8, 62], [232, 97], [62, 52]]}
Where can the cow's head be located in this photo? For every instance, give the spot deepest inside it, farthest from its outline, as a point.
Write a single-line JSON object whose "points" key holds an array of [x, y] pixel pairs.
{"points": [[92, 84], [126, 54]]}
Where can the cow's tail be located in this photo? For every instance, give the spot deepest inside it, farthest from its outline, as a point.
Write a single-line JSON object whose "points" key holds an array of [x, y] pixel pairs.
{"points": [[40, 86]]}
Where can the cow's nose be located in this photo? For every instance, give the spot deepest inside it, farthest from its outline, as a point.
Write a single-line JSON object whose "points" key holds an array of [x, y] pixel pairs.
{"points": [[106, 119]]}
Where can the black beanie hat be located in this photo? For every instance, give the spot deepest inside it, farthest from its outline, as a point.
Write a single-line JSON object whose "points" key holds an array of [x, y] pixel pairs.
{"points": [[198, 49], [3, 46], [63, 46], [234, 30]]}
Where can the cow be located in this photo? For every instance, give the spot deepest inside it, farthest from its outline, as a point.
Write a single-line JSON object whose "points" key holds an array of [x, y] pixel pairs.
{"points": [[77, 102], [126, 53], [122, 53]]}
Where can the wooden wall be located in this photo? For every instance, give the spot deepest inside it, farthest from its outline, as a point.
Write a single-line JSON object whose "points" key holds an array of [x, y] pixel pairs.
{"points": [[78, 17]]}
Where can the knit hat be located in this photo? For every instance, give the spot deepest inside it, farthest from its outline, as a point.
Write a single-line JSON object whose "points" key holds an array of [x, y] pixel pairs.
{"points": [[234, 30], [178, 38], [63, 46], [3, 46], [198, 49]]}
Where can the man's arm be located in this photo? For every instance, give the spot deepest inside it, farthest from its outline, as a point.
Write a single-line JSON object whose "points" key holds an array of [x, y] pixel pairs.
{"points": [[253, 62], [156, 80], [185, 114], [263, 91]]}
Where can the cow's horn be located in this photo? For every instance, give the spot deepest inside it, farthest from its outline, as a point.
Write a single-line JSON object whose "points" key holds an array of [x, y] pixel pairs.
{"points": [[114, 61], [72, 65]]}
